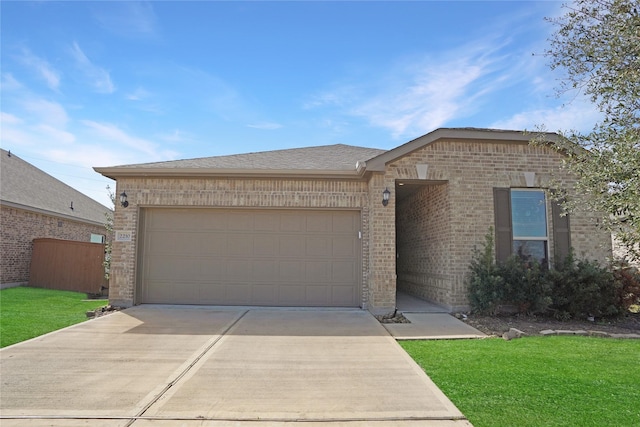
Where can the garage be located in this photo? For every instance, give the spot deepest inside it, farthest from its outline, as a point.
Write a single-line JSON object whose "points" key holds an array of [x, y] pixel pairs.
{"points": [[266, 257]]}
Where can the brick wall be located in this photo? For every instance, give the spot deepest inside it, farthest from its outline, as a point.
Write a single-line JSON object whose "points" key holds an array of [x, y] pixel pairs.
{"points": [[454, 212], [213, 192], [423, 239], [19, 228], [471, 170]]}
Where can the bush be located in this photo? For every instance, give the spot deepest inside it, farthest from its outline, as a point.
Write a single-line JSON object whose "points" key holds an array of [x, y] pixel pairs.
{"points": [[584, 288], [526, 285], [486, 286], [574, 289], [628, 278]]}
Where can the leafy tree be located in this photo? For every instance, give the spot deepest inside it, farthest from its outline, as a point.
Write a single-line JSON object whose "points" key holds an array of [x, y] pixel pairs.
{"points": [[597, 44]]}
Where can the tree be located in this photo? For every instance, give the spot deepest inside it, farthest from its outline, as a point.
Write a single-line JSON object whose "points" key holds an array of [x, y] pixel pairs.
{"points": [[108, 225], [597, 44]]}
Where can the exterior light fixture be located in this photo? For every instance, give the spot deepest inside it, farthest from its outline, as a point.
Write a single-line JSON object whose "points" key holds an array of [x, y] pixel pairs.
{"points": [[123, 200], [385, 197]]}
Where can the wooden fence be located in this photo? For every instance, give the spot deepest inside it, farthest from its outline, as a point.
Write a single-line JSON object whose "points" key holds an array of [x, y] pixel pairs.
{"points": [[67, 265]]}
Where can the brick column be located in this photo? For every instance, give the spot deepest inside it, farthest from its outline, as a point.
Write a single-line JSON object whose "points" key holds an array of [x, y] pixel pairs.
{"points": [[382, 247]]}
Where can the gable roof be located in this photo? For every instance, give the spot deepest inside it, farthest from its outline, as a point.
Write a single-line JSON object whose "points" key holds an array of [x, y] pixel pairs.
{"points": [[378, 163], [321, 161], [24, 186], [329, 161]]}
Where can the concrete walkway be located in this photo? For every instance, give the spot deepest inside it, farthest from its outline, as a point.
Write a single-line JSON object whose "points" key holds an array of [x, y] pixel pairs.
{"points": [[428, 321], [214, 366]]}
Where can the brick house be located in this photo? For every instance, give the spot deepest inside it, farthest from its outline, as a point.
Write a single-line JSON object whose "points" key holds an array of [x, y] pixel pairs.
{"points": [[311, 226], [35, 205]]}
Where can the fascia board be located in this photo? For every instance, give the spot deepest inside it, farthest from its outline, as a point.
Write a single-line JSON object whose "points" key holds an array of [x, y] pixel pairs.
{"points": [[378, 164], [127, 172]]}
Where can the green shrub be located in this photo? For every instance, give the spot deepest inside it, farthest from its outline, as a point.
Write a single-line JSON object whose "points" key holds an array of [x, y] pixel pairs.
{"points": [[584, 288], [574, 289], [628, 278], [526, 285], [486, 286]]}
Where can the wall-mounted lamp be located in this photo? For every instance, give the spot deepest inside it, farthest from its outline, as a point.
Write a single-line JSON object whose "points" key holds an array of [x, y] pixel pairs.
{"points": [[385, 197], [123, 200]]}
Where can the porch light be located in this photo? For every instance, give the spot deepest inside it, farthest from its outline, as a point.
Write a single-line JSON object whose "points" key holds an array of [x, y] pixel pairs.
{"points": [[385, 197], [123, 200]]}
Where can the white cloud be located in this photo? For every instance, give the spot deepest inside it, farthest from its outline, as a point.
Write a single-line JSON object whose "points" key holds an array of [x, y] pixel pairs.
{"points": [[9, 83], [419, 94], [98, 76], [138, 95], [265, 126], [142, 149], [579, 115], [41, 68], [43, 111], [129, 19]]}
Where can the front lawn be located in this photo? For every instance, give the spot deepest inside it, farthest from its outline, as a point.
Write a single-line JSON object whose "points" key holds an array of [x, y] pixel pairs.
{"points": [[29, 312], [537, 381]]}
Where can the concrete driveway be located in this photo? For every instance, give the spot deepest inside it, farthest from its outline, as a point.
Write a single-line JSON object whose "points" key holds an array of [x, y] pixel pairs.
{"points": [[215, 366]]}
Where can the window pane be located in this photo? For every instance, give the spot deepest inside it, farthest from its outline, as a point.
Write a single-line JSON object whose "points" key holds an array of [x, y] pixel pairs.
{"points": [[531, 249], [528, 214]]}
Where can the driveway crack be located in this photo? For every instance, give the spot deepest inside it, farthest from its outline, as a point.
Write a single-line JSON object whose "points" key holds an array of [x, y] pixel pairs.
{"points": [[184, 372]]}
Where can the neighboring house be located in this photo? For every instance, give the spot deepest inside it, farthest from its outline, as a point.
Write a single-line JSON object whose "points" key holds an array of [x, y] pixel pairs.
{"points": [[309, 227], [35, 205]]}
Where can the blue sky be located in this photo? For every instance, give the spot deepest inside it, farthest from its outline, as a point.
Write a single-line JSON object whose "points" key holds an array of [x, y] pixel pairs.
{"points": [[88, 84]]}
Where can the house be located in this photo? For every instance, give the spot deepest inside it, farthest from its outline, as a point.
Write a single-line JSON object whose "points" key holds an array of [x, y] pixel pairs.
{"points": [[35, 205], [339, 225]]}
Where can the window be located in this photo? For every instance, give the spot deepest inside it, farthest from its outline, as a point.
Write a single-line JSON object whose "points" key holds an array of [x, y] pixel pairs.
{"points": [[529, 224], [522, 225], [97, 238]]}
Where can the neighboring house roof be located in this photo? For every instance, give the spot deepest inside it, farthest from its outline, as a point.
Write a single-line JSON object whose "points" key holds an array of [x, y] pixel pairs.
{"points": [[24, 186], [313, 162], [321, 161]]}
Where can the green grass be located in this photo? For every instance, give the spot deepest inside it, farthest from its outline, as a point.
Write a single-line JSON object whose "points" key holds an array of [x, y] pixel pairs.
{"points": [[30, 312], [537, 381]]}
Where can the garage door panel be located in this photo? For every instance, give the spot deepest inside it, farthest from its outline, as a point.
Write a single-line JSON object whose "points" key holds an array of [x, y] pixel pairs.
{"points": [[167, 267], [343, 272], [250, 257], [238, 270], [292, 246], [318, 271], [318, 223], [318, 295], [240, 222], [175, 243], [292, 223], [213, 245], [343, 247], [240, 246], [344, 224], [239, 293], [265, 245], [319, 246]]}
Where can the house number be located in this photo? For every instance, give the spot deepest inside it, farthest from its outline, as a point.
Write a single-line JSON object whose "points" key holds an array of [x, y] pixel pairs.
{"points": [[123, 236]]}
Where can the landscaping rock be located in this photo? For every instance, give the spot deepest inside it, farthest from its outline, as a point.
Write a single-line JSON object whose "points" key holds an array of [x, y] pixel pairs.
{"points": [[513, 333], [598, 334], [548, 332]]}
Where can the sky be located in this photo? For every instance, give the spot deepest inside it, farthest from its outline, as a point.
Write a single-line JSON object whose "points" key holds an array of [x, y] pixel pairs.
{"points": [[87, 84]]}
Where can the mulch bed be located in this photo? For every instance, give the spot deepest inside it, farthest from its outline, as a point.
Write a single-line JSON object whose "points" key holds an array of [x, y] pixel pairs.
{"points": [[532, 325]]}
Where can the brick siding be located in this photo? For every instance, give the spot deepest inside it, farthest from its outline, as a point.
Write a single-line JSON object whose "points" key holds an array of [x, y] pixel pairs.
{"points": [[438, 226], [19, 228]]}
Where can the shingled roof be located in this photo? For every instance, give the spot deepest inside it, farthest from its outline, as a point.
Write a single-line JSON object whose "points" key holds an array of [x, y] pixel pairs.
{"points": [[24, 186], [321, 160]]}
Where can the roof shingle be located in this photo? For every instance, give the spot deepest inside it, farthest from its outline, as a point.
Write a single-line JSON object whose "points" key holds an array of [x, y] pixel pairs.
{"points": [[24, 185]]}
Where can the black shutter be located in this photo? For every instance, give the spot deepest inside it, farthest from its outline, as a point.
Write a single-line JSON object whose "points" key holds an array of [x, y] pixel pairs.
{"points": [[561, 232], [502, 214]]}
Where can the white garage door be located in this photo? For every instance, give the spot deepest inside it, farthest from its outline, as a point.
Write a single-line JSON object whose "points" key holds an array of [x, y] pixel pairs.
{"points": [[250, 257]]}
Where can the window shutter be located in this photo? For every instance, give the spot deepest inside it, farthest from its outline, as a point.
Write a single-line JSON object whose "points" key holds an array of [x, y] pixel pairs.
{"points": [[502, 214], [561, 232]]}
